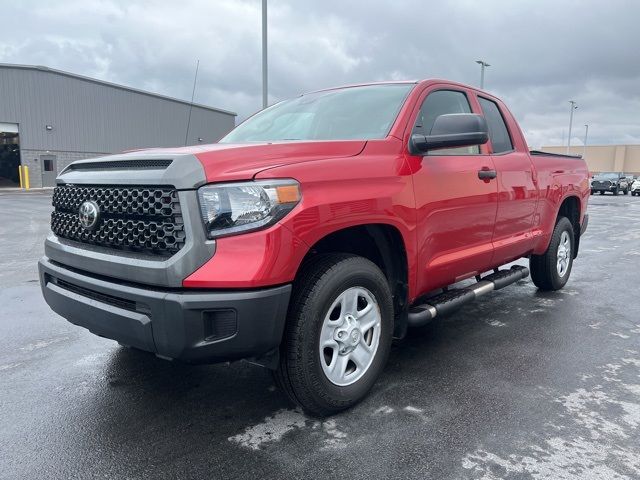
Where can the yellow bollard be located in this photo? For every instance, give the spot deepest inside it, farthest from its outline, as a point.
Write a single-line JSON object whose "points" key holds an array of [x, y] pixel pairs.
{"points": [[20, 174], [26, 177]]}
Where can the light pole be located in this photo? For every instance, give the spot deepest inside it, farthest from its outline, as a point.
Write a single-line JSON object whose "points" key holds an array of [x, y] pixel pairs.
{"points": [[483, 65], [586, 133], [573, 107], [265, 101]]}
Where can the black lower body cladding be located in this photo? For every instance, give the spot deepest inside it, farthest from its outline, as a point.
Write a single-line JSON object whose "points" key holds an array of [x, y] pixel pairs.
{"points": [[196, 326]]}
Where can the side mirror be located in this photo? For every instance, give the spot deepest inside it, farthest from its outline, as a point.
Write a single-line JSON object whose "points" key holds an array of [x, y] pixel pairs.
{"points": [[451, 130]]}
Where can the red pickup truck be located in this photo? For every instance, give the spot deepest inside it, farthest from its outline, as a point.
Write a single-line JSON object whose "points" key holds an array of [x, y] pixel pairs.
{"points": [[314, 233]]}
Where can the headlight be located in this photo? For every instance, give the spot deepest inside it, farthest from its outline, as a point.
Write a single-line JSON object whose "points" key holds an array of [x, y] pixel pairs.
{"points": [[231, 208]]}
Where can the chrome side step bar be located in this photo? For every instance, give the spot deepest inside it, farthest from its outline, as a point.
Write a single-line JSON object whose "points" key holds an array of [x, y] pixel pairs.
{"points": [[451, 300]]}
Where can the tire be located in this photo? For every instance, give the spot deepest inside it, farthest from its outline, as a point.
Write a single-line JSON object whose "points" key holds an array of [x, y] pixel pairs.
{"points": [[303, 371], [592, 192], [601, 192], [546, 272], [626, 191], [615, 192]]}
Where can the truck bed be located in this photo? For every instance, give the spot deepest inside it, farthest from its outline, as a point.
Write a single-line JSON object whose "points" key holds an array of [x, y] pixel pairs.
{"points": [[548, 154]]}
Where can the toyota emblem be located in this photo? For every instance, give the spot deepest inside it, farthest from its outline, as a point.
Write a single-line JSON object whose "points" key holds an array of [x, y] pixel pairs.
{"points": [[89, 214]]}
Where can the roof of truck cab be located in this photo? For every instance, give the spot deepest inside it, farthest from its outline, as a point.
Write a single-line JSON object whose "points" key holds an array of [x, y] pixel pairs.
{"points": [[396, 82], [366, 84]]}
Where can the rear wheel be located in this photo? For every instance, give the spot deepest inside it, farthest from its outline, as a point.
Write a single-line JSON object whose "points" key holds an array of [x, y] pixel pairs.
{"points": [[338, 333], [551, 270], [615, 192]]}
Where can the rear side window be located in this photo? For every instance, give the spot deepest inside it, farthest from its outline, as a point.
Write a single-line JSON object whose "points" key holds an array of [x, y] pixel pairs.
{"points": [[438, 103], [498, 132]]}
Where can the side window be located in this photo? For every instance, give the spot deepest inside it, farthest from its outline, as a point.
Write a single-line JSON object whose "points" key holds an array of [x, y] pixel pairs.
{"points": [[498, 132], [439, 103]]}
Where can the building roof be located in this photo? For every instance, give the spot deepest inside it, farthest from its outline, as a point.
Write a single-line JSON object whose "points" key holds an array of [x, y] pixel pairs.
{"points": [[112, 85]]}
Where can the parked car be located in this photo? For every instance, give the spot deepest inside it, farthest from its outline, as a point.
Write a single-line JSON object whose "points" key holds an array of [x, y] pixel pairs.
{"points": [[629, 180], [635, 187], [313, 233], [609, 182]]}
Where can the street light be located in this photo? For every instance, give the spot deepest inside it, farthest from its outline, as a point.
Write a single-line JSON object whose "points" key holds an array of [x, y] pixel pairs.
{"points": [[586, 133], [265, 101], [483, 65], [573, 107]]}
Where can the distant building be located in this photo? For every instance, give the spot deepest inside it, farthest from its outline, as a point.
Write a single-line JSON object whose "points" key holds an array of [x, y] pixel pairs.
{"points": [[49, 118], [606, 158]]}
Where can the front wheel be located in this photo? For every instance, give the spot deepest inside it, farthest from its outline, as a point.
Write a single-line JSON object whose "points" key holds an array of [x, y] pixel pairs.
{"points": [[338, 333], [551, 270]]}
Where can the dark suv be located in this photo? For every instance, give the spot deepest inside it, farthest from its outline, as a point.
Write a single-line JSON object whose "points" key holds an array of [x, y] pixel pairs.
{"points": [[609, 182]]}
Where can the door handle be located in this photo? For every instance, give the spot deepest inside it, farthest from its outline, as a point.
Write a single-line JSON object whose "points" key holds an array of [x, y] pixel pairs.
{"points": [[486, 174]]}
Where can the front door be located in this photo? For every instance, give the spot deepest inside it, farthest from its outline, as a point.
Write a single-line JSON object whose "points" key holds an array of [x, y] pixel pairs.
{"points": [[48, 166], [456, 209]]}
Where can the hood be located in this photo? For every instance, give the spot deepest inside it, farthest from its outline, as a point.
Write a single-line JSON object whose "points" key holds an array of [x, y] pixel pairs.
{"points": [[224, 161], [242, 161], [190, 167]]}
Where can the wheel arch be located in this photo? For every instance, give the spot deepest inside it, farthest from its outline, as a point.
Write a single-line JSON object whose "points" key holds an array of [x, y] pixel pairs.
{"points": [[572, 209], [385, 246]]}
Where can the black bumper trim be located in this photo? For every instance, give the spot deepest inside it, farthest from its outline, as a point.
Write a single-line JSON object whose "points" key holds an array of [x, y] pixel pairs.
{"points": [[171, 324]]}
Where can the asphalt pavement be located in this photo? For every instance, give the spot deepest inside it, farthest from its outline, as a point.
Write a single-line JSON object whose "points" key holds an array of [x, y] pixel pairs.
{"points": [[521, 384]]}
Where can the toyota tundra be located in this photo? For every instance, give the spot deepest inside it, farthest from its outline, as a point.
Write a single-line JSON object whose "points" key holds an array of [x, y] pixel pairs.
{"points": [[314, 233]]}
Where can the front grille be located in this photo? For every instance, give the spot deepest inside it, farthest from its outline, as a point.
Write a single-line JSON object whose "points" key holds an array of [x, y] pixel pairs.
{"points": [[601, 184], [140, 219]]}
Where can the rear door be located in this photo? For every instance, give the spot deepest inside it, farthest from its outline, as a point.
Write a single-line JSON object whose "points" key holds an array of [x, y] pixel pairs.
{"points": [[455, 208], [516, 182]]}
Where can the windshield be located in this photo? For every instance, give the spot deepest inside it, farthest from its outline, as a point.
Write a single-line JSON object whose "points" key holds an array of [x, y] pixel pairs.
{"points": [[608, 176], [355, 113]]}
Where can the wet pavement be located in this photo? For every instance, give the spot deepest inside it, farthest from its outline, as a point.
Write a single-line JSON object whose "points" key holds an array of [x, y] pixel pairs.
{"points": [[521, 384]]}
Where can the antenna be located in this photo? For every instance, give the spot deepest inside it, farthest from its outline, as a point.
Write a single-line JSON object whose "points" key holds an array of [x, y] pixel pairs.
{"points": [[193, 92]]}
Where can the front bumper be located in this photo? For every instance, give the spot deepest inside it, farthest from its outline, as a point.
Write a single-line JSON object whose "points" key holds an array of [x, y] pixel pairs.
{"points": [[195, 326]]}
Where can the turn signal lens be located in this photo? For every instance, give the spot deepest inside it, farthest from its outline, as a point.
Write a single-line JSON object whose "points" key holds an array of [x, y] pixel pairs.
{"points": [[288, 194]]}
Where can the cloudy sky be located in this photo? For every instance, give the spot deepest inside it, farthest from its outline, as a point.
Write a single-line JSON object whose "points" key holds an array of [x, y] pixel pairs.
{"points": [[543, 53]]}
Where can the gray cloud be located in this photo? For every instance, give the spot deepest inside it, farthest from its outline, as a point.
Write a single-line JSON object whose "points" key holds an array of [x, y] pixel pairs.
{"points": [[542, 53]]}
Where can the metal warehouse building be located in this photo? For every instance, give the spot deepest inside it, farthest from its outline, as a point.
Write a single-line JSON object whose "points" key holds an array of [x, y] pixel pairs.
{"points": [[49, 118]]}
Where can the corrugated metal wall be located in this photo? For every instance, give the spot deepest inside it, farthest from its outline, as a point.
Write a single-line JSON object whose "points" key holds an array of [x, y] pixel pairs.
{"points": [[88, 116]]}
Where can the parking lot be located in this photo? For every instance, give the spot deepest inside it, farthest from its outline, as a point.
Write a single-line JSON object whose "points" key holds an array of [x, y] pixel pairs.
{"points": [[521, 384]]}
